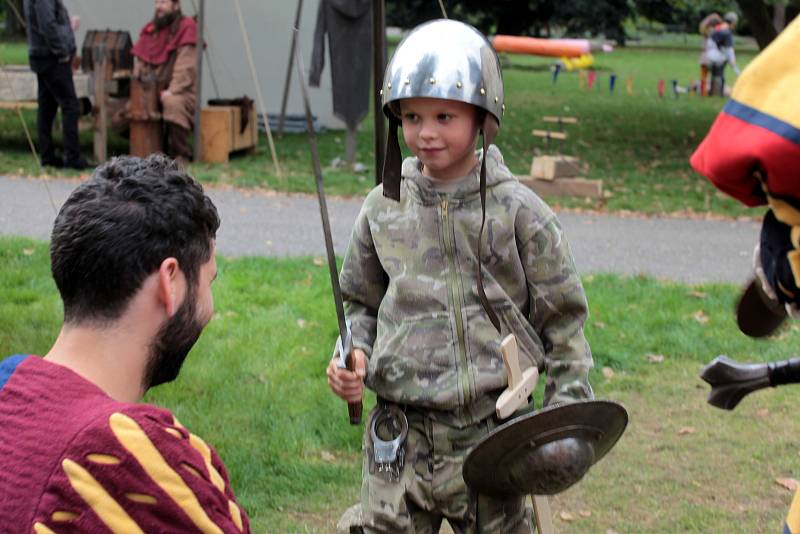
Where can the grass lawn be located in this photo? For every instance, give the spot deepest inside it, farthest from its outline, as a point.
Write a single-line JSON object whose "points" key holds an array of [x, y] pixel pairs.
{"points": [[638, 144], [254, 387]]}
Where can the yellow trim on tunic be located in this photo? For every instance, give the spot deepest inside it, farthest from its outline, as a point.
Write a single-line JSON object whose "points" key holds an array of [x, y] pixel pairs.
{"points": [[205, 452], [102, 504], [134, 439], [793, 519], [41, 528], [770, 82]]}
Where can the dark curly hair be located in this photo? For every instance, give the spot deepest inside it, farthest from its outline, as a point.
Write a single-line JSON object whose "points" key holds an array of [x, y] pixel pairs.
{"points": [[115, 229]]}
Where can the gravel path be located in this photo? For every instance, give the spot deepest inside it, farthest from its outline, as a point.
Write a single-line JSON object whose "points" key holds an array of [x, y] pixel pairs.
{"points": [[270, 224]]}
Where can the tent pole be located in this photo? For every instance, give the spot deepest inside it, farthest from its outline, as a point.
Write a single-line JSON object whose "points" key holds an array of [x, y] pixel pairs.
{"points": [[378, 66], [199, 70], [289, 69]]}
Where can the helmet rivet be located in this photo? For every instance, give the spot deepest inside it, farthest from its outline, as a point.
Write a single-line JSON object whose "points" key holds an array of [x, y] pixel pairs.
{"points": [[483, 91], [459, 85], [432, 81], [381, 92], [496, 99], [408, 82], [389, 85]]}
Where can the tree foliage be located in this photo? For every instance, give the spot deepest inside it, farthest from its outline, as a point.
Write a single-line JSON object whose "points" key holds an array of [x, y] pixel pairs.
{"points": [[590, 17]]}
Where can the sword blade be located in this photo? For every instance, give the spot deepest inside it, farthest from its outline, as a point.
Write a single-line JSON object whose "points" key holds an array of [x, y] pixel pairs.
{"points": [[345, 341], [323, 205]]}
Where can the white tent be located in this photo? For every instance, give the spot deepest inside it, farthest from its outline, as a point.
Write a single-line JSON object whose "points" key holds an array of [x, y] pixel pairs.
{"points": [[269, 27]]}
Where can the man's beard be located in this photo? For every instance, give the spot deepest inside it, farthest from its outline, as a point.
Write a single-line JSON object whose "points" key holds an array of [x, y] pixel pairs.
{"points": [[165, 20], [172, 343]]}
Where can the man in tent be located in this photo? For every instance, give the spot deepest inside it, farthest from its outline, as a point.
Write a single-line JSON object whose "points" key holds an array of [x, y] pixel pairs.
{"points": [[167, 52]]}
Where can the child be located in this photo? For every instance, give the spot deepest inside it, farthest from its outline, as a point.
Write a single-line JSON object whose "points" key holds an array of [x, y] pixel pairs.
{"points": [[426, 341]]}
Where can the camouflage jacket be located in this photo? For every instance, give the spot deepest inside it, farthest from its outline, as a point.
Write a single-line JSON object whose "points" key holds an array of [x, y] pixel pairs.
{"points": [[409, 282]]}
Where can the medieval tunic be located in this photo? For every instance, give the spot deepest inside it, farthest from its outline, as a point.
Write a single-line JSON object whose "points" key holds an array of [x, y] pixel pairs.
{"points": [[170, 55], [72, 459]]}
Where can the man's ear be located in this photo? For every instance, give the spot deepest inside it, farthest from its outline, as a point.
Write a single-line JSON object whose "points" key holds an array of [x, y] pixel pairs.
{"points": [[168, 277]]}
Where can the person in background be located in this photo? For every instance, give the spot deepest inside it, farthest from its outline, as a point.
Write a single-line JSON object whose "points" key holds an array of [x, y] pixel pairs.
{"points": [[720, 52], [51, 47], [167, 52]]}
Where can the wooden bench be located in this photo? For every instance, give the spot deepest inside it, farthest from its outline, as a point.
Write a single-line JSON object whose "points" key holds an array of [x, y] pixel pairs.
{"points": [[221, 134]]}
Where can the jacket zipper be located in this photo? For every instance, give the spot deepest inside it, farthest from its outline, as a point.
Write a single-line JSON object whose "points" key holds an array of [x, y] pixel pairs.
{"points": [[453, 284]]}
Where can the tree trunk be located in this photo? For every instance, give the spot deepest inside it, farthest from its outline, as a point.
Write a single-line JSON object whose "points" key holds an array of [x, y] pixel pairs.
{"points": [[760, 21]]}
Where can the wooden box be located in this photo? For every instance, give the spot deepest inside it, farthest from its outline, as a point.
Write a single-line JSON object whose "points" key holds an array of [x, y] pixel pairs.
{"points": [[221, 133], [552, 167]]}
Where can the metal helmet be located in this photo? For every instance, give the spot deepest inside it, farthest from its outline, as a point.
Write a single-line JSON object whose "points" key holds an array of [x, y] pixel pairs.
{"points": [[731, 17], [445, 59], [440, 59]]}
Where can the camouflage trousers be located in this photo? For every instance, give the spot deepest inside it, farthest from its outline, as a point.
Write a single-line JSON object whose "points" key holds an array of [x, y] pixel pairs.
{"points": [[430, 487]]}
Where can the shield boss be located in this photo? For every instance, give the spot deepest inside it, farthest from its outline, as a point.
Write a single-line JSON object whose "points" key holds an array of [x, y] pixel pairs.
{"points": [[544, 452]]}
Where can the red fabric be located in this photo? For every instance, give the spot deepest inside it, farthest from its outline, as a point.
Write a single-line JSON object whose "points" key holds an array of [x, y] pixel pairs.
{"points": [[49, 413], [155, 47], [734, 148]]}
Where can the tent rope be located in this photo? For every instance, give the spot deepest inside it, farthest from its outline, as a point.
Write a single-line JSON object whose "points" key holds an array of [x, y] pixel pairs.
{"points": [[249, 53]]}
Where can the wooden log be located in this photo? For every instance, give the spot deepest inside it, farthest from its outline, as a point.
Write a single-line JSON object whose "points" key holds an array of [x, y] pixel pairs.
{"points": [[145, 118], [565, 187], [551, 167]]}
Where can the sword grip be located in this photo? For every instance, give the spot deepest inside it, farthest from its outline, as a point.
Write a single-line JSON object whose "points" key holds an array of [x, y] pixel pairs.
{"points": [[353, 408]]}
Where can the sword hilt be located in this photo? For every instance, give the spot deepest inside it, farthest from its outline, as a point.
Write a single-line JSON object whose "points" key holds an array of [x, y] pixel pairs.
{"points": [[346, 360], [731, 381]]}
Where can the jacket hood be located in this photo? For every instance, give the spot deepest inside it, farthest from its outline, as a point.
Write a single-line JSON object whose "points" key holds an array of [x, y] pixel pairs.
{"points": [[496, 173]]}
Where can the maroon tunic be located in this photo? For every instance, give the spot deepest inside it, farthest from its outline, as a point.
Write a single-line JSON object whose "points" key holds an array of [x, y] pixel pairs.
{"points": [[72, 459]]}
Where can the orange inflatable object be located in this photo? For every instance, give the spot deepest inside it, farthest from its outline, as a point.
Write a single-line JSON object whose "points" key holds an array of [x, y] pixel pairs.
{"points": [[541, 47]]}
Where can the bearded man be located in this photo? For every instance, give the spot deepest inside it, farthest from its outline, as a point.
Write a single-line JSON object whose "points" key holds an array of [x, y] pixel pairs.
{"points": [[167, 52], [132, 255]]}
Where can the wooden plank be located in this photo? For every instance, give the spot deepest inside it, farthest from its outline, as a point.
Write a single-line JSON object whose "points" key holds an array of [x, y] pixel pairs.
{"points": [[19, 104], [101, 117], [550, 135], [555, 166], [18, 82], [565, 187], [247, 138], [216, 133], [561, 120]]}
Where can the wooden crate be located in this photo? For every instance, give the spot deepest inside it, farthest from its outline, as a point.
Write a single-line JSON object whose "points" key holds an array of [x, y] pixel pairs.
{"points": [[220, 132]]}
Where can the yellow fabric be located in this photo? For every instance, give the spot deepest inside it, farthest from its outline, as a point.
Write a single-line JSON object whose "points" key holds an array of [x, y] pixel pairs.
{"points": [[174, 432], [63, 515], [133, 438], [794, 236], [793, 519], [100, 458], [141, 498], [236, 515], [102, 504], [192, 470], [205, 452], [770, 82], [784, 212], [794, 262], [40, 528]]}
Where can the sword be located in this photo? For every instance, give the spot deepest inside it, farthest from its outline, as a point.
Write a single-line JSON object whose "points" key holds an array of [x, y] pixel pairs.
{"points": [[344, 345]]}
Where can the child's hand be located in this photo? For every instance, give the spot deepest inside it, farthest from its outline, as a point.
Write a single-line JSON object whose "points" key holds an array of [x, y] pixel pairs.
{"points": [[348, 385]]}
